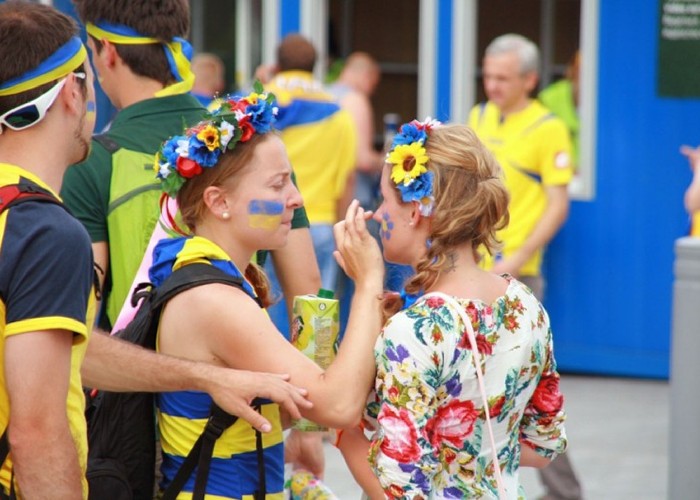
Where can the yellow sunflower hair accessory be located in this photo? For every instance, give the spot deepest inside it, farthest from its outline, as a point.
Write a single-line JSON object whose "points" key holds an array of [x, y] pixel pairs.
{"points": [[409, 161]]}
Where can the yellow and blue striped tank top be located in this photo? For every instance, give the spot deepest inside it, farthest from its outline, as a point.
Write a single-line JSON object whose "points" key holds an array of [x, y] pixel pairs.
{"points": [[182, 415]]}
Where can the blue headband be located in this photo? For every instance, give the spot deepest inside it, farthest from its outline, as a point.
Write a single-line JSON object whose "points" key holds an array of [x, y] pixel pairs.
{"points": [[66, 59]]}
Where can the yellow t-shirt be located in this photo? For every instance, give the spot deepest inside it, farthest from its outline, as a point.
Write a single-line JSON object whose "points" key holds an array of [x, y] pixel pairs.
{"points": [[46, 283], [320, 139], [534, 150]]}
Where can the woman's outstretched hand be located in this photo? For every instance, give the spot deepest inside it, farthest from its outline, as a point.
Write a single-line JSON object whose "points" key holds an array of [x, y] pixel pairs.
{"points": [[357, 251]]}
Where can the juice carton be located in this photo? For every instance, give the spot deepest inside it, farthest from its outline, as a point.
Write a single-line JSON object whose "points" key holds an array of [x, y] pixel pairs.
{"points": [[315, 329]]}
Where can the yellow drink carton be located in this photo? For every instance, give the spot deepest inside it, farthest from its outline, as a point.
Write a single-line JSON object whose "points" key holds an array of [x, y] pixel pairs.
{"points": [[315, 329]]}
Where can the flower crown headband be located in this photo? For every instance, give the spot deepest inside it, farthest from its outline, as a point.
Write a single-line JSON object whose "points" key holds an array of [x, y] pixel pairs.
{"points": [[409, 160], [233, 120]]}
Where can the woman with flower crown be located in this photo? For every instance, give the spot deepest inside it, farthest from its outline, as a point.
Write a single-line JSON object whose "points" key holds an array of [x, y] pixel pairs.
{"points": [[232, 180], [466, 377]]}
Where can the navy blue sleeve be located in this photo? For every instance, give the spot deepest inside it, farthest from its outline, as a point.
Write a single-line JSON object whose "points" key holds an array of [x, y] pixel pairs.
{"points": [[46, 275]]}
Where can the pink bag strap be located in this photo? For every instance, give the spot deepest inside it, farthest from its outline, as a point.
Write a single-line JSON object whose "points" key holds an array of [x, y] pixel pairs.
{"points": [[480, 377]]}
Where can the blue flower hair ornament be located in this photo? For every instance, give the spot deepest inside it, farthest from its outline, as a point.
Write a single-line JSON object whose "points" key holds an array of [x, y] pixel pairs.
{"points": [[409, 160], [232, 119]]}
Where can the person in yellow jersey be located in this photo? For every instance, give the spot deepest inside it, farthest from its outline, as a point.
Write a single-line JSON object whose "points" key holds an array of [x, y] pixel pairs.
{"points": [[533, 147], [321, 139]]}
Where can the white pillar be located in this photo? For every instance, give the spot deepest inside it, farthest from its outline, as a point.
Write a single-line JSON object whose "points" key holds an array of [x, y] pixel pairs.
{"points": [[464, 59], [684, 438], [314, 26], [244, 63]]}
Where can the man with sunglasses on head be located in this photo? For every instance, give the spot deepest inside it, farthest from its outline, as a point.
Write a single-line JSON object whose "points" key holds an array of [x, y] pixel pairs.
{"points": [[47, 299]]}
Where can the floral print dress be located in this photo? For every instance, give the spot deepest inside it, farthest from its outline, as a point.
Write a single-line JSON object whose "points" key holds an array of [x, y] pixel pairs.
{"points": [[431, 439]]}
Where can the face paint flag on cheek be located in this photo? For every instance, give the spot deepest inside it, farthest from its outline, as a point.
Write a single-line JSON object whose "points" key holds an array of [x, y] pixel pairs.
{"points": [[264, 214], [91, 110]]}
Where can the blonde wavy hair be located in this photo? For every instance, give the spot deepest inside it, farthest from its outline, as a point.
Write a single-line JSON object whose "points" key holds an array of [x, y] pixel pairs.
{"points": [[471, 204]]}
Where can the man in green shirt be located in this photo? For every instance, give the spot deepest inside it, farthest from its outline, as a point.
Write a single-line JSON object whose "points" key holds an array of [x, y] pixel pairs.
{"points": [[141, 61]]}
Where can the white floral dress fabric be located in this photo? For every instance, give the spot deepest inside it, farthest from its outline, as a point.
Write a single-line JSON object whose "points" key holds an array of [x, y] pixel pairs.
{"points": [[431, 439]]}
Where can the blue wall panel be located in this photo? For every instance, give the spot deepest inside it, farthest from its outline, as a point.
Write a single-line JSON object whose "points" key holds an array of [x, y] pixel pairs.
{"points": [[611, 268], [290, 20], [443, 61]]}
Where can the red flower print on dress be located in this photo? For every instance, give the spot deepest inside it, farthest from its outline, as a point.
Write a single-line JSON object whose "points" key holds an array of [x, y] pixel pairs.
{"points": [[482, 343], [434, 302], [400, 440], [511, 322], [496, 407], [395, 491], [452, 424], [547, 398]]}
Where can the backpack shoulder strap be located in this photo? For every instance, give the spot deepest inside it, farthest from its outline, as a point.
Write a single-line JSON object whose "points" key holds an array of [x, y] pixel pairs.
{"points": [[13, 194], [191, 276], [107, 142]]}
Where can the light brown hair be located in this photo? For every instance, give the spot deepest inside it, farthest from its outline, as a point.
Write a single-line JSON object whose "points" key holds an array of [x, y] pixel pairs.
{"points": [[190, 199], [471, 203]]}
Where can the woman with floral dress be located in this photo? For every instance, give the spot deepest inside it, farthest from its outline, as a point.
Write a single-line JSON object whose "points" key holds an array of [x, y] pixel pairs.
{"points": [[443, 201]]}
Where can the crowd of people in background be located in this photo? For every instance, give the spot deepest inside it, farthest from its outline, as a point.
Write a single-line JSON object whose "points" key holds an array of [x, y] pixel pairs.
{"points": [[454, 384]]}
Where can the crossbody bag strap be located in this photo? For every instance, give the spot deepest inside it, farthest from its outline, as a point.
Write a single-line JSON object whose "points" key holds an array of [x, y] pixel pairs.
{"points": [[261, 492], [200, 456], [480, 377]]}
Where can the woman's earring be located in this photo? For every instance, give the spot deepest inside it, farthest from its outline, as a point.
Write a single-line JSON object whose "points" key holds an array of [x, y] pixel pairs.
{"points": [[225, 215]]}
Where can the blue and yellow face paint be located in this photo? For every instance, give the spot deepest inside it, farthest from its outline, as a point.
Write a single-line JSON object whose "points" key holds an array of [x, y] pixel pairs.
{"points": [[65, 60], [178, 51], [386, 227], [91, 111], [265, 214]]}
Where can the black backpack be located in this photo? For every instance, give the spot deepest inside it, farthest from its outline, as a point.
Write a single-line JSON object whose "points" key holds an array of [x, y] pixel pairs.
{"points": [[121, 426]]}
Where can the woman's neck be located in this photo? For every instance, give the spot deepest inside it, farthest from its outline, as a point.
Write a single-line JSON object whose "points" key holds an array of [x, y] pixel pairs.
{"points": [[462, 277]]}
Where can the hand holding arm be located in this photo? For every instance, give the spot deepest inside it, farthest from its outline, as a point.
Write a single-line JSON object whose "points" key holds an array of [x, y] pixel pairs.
{"points": [[115, 365]]}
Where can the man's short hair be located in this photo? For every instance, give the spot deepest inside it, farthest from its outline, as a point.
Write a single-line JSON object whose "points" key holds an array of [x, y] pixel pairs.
{"points": [[164, 20], [527, 52], [296, 53], [23, 25]]}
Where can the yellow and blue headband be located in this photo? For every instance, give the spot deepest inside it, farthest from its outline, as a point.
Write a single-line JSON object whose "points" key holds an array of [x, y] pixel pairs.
{"points": [[65, 60], [178, 51]]}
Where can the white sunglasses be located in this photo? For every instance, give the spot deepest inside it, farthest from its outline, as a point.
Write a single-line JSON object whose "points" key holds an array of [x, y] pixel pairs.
{"points": [[32, 112]]}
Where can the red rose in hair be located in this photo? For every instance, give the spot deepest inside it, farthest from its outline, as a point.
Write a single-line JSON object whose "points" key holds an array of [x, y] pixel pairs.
{"points": [[547, 398], [239, 105], [452, 423], [188, 168], [400, 441], [246, 128]]}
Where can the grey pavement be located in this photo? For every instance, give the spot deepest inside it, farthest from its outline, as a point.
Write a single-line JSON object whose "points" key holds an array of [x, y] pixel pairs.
{"points": [[618, 434]]}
